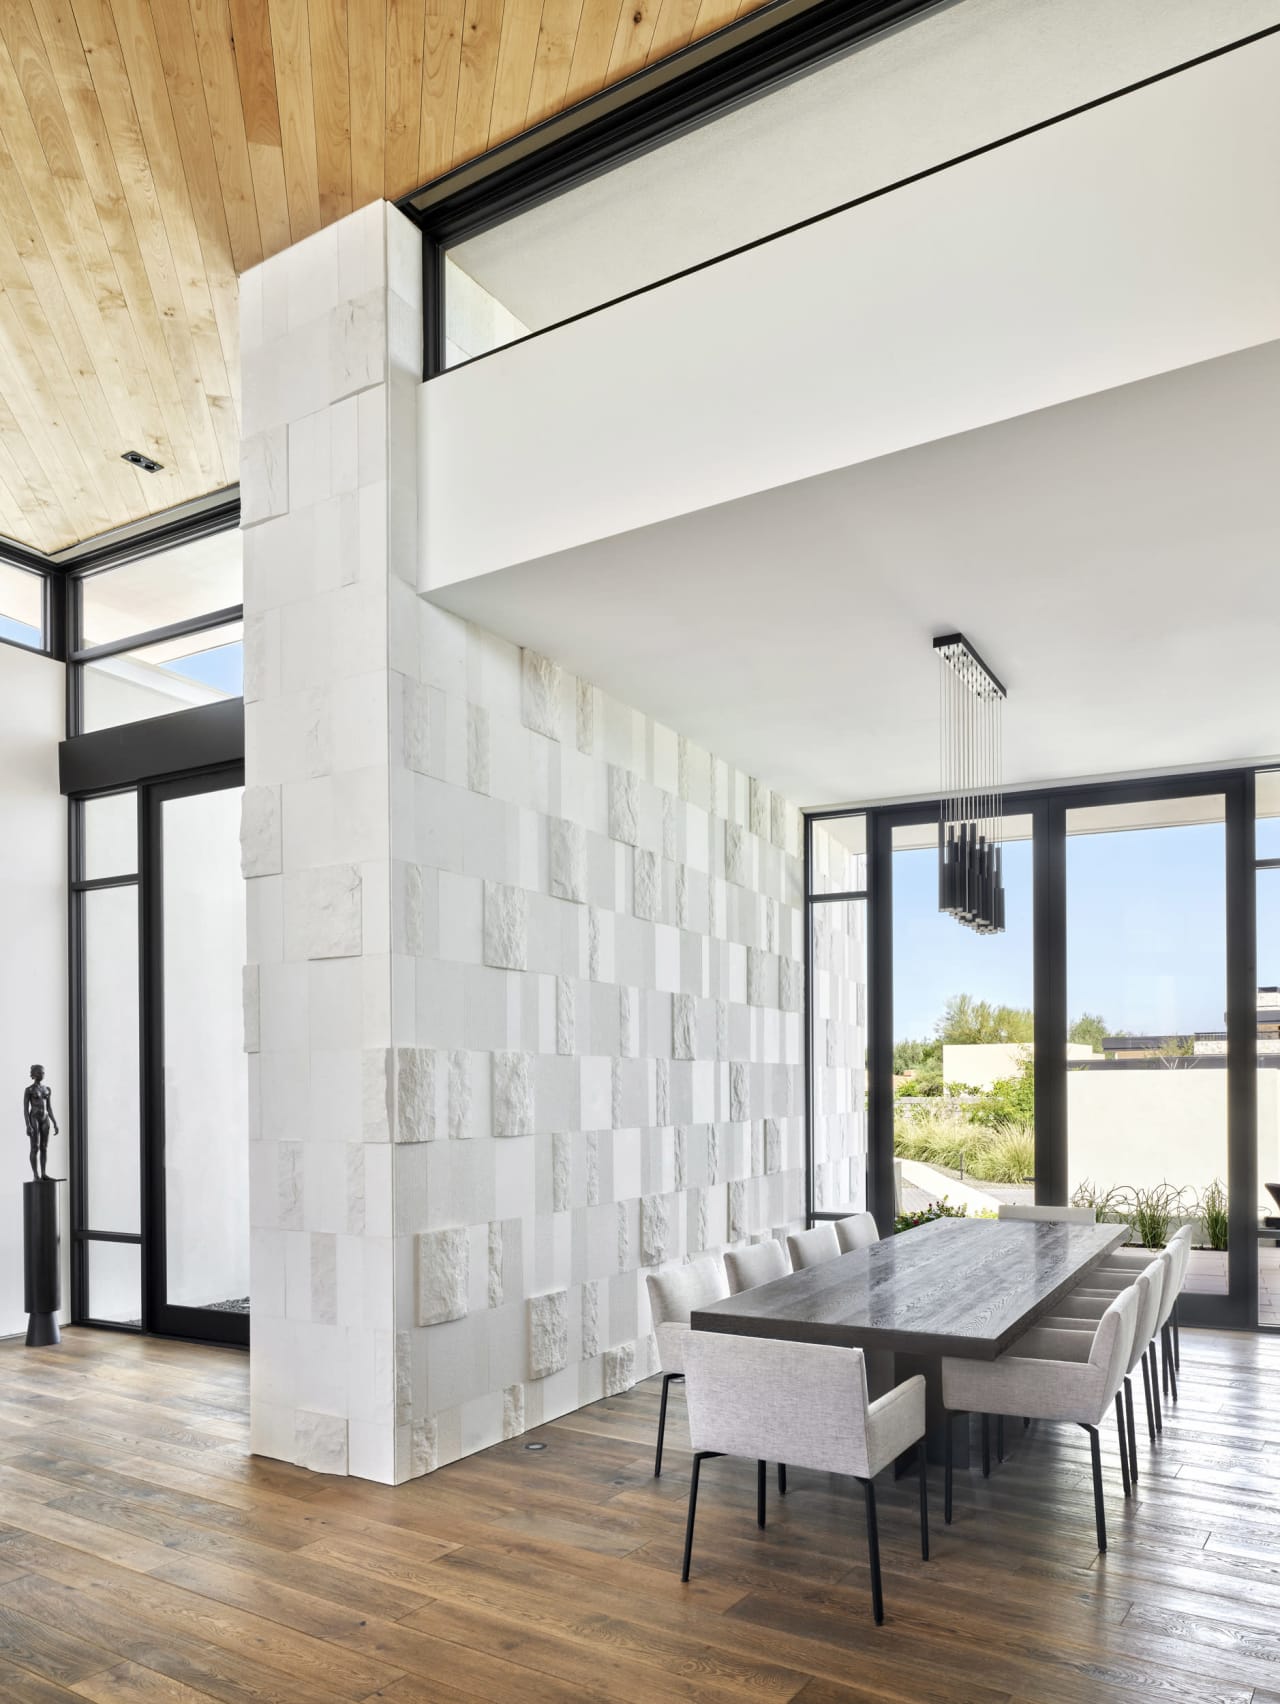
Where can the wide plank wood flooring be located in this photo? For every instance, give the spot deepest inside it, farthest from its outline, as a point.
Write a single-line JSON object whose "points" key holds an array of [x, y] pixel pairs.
{"points": [[145, 1557]]}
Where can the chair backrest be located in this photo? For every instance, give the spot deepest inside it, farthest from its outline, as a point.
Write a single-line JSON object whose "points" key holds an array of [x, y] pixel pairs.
{"points": [[1150, 1285], [675, 1293], [759, 1264], [811, 1248], [760, 1397], [1113, 1340], [859, 1230], [1050, 1215]]}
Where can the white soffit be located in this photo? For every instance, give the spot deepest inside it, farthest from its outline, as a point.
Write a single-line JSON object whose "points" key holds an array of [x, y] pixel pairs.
{"points": [[1113, 557]]}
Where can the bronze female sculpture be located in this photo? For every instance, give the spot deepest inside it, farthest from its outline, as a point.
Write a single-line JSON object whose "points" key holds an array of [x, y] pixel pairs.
{"points": [[37, 1110]]}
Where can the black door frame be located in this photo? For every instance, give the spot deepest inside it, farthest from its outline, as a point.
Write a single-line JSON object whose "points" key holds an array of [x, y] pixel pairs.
{"points": [[160, 1316], [1048, 809]]}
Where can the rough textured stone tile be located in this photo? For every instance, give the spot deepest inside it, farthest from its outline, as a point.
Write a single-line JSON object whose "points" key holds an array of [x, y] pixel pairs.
{"points": [[324, 1277], [415, 1095], [513, 1411], [565, 1023], [321, 1441], [682, 767], [593, 1168], [713, 1155], [624, 1237], [561, 1172], [416, 726], [289, 1185], [332, 918], [624, 805], [739, 1092], [459, 1092], [662, 1090], [478, 748], [443, 1259], [591, 1319], [540, 689], [629, 1022], [568, 859], [682, 897], [506, 926], [758, 806], [681, 1157], [737, 1210], [512, 1095], [655, 1229], [548, 1318], [586, 717], [778, 820], [735, 854], [648, 886], [791, 984], [684, 1027], [619, 1369], [756, 962], [772, 1146], [670, 827], [494, 1294], [260, 845], [424, 1456]]}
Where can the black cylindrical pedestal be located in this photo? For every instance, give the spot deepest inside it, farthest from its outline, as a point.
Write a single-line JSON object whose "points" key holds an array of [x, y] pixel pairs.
{"points": [[43, 1288]]}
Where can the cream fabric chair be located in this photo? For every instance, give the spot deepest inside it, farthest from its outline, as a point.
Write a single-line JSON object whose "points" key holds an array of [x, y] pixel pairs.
{"points": [[759, 1264], [1170, 1346], [812, 1248], [1083, 1307], [1048, 1215], [1050, 1375], [761, 1398], [859, 1230], [673, 1295]]}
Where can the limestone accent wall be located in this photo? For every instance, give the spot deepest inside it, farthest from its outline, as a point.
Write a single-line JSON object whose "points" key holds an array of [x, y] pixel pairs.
{"points": [[331, 366], [598, 977]]}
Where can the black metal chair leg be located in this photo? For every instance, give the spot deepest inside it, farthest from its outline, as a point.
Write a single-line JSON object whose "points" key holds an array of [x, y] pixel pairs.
{"points": [[782, 1479], [1099, 1512], [986, 1446], [1177, 1339], [1172, 1363], [948, 1461], [873, 1551], [1164, 1360], [662, 1420], [1146, 1391], [1130, 1428], [924, 1500], [761, 1472], [1124, 1445], [1000, 1439], [693, 1506], [1155, 1389]]}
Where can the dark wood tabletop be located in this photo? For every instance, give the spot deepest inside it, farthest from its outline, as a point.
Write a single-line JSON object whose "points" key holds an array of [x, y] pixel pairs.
{"points": [[952, 1287]]}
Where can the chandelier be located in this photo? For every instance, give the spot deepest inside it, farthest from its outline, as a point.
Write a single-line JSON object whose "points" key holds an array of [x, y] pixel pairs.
{"points": [[971, 818]]}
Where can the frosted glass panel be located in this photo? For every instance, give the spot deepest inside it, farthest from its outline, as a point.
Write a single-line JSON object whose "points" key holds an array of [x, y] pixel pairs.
{"points": [[205, 1086], [111, 1057], [109, 840]]}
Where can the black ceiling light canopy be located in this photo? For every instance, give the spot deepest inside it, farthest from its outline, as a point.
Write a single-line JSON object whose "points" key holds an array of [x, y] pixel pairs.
{"points": [[971, 816], [135, 458]]}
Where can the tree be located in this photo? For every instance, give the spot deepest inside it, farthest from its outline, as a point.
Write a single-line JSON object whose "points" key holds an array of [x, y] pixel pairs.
{"points": [[1089, 1028], [916, 1056], [966, 1021]]}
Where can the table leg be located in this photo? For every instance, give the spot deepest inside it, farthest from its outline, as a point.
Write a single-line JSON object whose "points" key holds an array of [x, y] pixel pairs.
{"points": [[930, 1367]]}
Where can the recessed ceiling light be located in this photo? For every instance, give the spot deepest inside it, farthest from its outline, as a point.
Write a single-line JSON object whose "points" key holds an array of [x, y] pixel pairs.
{"points": [[135, 458]]}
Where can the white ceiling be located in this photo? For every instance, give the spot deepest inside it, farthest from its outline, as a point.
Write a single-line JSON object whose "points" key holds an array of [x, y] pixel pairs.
{"points": [[1114, 559]]}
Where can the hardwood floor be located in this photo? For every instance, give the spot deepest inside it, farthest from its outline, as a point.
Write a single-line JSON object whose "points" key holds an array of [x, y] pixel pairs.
{"points": [[144, 1557]]}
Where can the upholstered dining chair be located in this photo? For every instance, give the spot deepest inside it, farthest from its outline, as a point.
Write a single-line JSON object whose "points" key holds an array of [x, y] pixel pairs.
{"points": [[761, 1263], [812, 1248], [673, 1295], [1170, 1347], [1050, 1375], [761, 1397], [859, 1230], [1046, 1214], [1084, 1306]]}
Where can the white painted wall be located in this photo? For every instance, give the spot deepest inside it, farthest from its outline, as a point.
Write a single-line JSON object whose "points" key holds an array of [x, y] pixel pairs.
{"points": [[33, 983], [1136, 238], [980, 1064]]}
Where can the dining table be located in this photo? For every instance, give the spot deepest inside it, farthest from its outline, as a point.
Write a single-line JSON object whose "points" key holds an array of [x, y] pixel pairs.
{"points": [[962, 1287]]}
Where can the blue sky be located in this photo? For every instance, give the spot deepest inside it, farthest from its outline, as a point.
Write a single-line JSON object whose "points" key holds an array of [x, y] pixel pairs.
{"points": [[1145, 934], [222, 667]]}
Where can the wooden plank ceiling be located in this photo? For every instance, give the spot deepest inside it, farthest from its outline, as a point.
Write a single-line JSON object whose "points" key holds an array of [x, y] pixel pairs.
{"points": [[150, 150]]}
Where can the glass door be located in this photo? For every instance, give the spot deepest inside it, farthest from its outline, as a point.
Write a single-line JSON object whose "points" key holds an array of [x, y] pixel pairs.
{"points": [[198, 1137]]}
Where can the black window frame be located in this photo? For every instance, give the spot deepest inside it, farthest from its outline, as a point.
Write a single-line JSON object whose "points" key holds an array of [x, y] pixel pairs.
{"points": [[1048, 807]]}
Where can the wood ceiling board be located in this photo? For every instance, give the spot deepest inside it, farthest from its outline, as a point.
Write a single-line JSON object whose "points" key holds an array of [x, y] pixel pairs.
{"points": [[150, 150]]}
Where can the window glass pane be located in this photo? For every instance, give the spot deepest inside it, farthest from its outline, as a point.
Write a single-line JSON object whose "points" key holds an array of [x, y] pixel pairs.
{"points": [[111, 1057], [206, 1146], [1146, 958], [21, 606], [156, 680], [838, 1012], [839, 855], [895, 105], [963, 1034], [1267, 805], [115, 1282], [109, 836], [155, 591]]}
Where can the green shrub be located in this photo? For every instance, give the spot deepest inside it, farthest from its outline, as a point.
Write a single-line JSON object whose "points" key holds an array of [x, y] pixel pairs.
{"points": [[1108, 1205], [1151, 1213], [1012, 1100], [1008, 1156], [935, 1210], [1213, 1212]]}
